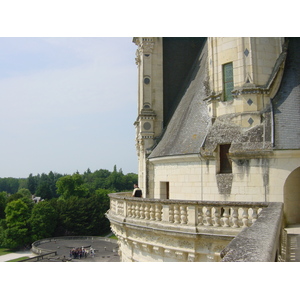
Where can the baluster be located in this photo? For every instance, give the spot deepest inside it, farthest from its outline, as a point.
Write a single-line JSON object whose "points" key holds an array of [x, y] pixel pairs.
{"points": [[152, 212], [245, 217], [137, 211], [208, 216], [147, 213], [158, 212], [129, 210], [200, 215], [142, 213], [226, 217], [120, 208], [235, 217], [113, 206], [171, 214], [183, 214], [132, 210], [176, 214], [217, 217], [254, 214]]}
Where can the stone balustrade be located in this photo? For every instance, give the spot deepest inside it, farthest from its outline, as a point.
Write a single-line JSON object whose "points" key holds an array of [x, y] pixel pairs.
{"points": [[185, 230], [185, 213]]}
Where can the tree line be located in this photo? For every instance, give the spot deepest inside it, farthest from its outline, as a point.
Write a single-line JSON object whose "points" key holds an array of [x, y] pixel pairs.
{"points": [[44, 185], [72, 205]]}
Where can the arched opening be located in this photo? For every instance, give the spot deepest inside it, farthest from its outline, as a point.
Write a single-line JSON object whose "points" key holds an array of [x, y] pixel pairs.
{"points": [[292, 198]]}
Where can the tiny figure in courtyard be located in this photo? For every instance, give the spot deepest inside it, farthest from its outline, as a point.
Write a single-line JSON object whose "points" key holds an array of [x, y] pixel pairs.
{"points": [[137, 192], [92, 252]]}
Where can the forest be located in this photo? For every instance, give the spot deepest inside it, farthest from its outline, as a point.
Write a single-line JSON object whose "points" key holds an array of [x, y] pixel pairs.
{"points": [[50, 205]]}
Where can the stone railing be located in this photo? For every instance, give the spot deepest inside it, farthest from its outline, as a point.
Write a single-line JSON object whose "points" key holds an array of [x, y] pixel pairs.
{"points": [[40, 257], [183, 214], [260, 242]]}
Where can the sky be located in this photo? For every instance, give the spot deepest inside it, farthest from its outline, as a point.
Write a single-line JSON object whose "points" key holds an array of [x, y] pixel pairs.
{"points": [[68, 78], [67, 104]]}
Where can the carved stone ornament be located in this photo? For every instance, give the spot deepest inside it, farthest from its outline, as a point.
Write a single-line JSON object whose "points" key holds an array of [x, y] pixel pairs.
{"points": [[136, 245], [147, 248], [137, 57], [191, 257], [169, 252], [210, 257], [180, 255], [157, 250], [145, 46]]}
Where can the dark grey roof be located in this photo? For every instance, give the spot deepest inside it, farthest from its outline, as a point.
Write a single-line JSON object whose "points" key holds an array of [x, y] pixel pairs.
{"points": [[190, 122], [188, 126], [286, 103]]}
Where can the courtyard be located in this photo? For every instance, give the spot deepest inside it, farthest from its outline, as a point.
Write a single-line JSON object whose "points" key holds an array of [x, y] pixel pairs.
{"points": [[96, 249]]}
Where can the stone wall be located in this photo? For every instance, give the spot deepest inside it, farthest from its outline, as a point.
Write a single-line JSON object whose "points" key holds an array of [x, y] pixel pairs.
{"points": [[252, 179]]}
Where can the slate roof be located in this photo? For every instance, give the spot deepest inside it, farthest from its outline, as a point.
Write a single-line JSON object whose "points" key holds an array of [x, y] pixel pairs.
{"points": [[190, 122], [188, 126], [286, 104]]}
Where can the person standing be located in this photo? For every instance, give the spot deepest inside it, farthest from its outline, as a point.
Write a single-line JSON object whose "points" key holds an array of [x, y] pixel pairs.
{"points": [[137, 192]]}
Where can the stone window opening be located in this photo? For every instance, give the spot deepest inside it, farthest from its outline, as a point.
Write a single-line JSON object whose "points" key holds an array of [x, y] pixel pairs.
{"points": [[146, 105], [164, 190], [225, 163]]}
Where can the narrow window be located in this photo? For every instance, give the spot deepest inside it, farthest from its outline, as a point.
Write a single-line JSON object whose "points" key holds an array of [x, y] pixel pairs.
{"points": [[228, 81], [164, 190], [225, 162]]}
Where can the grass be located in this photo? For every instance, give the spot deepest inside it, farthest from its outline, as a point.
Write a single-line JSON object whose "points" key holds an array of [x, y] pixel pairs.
{"points": [[113, 237], [4, 251], [18, 259]]}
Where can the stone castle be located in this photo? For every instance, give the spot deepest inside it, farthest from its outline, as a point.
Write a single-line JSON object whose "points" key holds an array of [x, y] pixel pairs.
{"points": [[218, 146]]}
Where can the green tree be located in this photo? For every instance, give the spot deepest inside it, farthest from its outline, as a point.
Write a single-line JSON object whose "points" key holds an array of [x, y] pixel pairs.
{"points": [[102, 202], [129, 180], [114, 180], [17, 231], [43, 220], [9, 185], [71, 185], [85, 216], [31, 183], [43, 188], [3, 201], [74, 217], [14, 197], [52, 179], [25, 193]]}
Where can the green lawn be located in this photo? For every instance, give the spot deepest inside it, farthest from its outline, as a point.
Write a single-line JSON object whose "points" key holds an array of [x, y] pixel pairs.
{"points": [[4, 251], [18, 259]]}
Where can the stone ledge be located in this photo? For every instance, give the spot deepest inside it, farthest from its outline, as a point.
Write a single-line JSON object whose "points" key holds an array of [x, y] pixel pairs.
{"points": [[259, 242], [126, 196]]}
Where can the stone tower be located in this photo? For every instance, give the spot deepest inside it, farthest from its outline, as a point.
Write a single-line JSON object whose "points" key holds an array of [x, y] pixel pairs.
{"points": [[163, 66], [150, 100]]}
